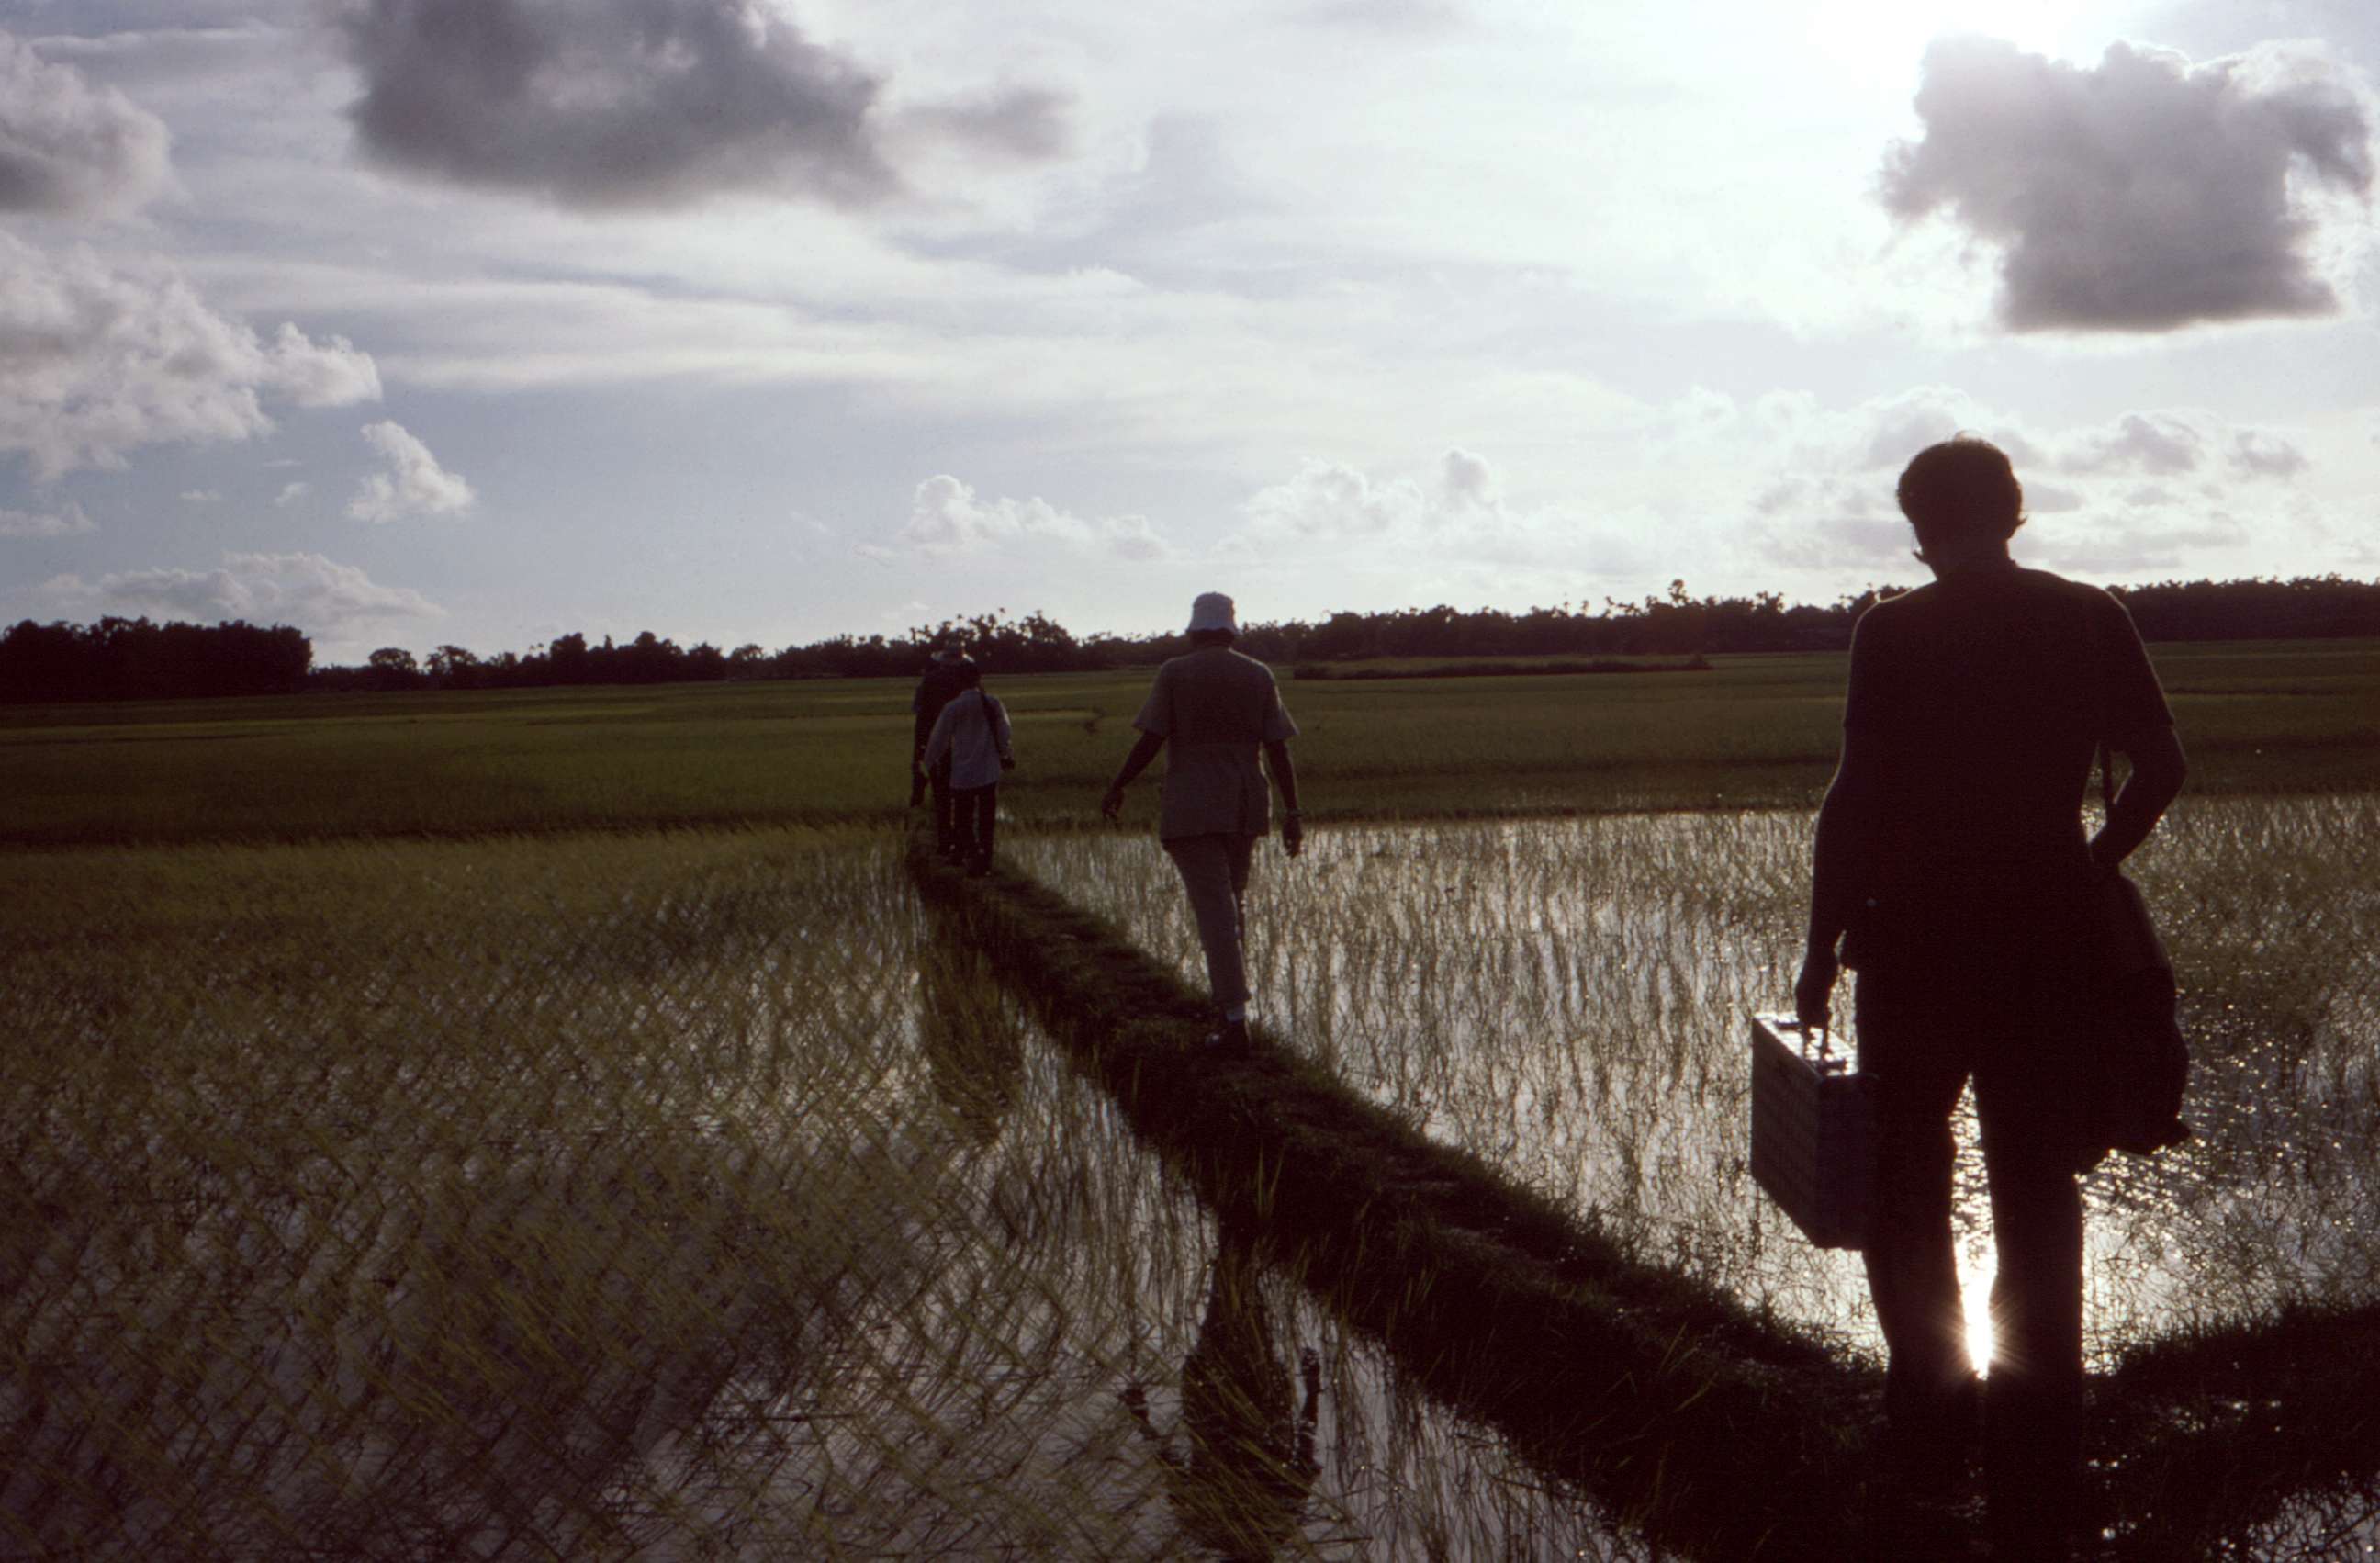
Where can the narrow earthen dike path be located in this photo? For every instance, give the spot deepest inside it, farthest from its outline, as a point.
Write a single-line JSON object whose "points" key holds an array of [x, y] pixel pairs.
{"points": [[1717, 1433]]}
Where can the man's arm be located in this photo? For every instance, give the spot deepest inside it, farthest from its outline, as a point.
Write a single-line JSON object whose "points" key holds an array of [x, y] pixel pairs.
{"points": [[1134, 763], [1284, 776], [2157, 771], [1843, 867]]}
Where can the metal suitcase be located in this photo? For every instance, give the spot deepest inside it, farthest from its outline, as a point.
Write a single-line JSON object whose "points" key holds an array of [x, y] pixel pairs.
{"points": [[1812, 1132]]}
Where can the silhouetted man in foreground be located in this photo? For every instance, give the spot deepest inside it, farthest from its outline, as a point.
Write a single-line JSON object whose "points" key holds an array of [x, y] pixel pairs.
{"points": [[1951, 863], [1218, 709]]}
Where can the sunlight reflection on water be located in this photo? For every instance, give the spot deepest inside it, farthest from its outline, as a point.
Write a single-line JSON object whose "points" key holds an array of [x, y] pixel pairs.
{"points": [[1568, 998]]}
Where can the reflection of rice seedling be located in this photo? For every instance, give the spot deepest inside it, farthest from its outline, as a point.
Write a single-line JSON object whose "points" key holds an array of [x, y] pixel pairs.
{"points": [[429, 1227], [1567, 998], [599, 1196]]}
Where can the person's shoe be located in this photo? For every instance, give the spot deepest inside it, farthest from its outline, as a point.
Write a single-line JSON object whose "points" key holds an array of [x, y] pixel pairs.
{"points": [[1231, 1037]]}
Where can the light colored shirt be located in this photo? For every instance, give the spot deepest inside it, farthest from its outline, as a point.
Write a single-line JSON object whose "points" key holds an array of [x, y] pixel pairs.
{"points": [[973, 730], [1215, 709]]}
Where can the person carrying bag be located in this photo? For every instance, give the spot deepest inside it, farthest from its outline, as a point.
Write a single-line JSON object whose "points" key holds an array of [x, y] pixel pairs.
{"points": [[1951, 868], [972, 734]]}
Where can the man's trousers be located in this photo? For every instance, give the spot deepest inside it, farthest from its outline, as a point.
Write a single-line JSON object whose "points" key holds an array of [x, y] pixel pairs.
{"points": [[2015, 1029], [1215, 872]]}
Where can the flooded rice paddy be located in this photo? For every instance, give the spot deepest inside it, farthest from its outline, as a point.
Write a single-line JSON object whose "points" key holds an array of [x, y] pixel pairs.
{"points": [[669, 1197], [692, 1195], [1568, 998]]}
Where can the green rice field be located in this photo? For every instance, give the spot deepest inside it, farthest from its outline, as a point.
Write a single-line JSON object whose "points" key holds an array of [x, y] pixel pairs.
{"points": [[2300, 717], [545, 1124]]}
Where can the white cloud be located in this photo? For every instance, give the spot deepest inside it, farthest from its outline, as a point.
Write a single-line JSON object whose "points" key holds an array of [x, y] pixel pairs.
{"points": [[1427, 537], [1332, 501], [306, 590], [2172, 442], [201, 496], [2145, 194], [2159, 443], [66, 522], [2147, 492], [291, 492], [413, 483], [647, 104], [2261, 453], [2147, 533], [99, 359], [1830, 523], [946, 517], [66, 150], [1468, 481]]}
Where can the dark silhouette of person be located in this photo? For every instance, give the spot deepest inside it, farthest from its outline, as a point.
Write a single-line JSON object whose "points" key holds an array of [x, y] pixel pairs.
{"points": [[1951, 863], [942, 680], [966, 751], [1218, 709], [1239, 1488]]}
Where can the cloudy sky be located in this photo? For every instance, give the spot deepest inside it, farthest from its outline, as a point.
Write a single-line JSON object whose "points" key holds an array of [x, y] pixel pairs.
{"points": [[413, 322]]}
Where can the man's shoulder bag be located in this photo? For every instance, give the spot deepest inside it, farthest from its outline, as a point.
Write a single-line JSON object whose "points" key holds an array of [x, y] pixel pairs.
{"points": [[2134, 1084]]}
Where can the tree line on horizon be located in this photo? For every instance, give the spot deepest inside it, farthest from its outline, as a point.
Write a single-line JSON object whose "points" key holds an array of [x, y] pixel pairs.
{"points": [[135, 659]]}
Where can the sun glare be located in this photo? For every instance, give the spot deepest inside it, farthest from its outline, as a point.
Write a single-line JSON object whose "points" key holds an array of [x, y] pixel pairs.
{"points": [[1976, 1269]]}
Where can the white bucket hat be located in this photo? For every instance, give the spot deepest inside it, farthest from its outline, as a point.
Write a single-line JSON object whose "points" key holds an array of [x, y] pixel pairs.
{"points": [[1213, 610]]}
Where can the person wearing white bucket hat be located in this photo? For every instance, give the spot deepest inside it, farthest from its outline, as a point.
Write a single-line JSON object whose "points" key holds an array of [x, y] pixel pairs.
{"points": [[1219, 710]]}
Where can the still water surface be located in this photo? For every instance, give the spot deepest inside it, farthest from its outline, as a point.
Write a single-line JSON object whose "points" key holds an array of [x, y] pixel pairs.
{"points": [[1568, 998]]}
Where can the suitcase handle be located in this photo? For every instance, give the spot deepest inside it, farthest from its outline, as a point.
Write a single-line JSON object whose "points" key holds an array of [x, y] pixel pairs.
{"points": [[1824, 1058]]}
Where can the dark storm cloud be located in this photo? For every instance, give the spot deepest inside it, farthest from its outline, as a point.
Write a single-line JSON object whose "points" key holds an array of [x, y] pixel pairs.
{"points": [[2143, 194], [624, 104], [68, 149]]}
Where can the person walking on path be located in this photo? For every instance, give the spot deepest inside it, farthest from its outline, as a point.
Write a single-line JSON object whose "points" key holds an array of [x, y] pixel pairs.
{"points": [[1952, 864], [1218, 709], [943, 678], [969, 748]]}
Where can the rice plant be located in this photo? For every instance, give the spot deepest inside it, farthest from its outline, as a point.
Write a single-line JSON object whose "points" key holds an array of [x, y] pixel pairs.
{"points": [[676, 1195], [1568, 998]]}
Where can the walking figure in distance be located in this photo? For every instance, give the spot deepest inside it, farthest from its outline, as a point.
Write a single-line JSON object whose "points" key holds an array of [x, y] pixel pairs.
{"points": [[1952, 864], [967, 750], [1218, 709], [942, 679]]}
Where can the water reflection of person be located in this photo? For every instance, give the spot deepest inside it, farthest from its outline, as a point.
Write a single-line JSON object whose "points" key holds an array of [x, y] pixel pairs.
{"points": [[1951, 861], [1239, 1488], [972, 1039]]}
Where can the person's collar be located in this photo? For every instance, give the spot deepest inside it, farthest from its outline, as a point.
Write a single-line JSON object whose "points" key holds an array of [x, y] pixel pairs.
{"points": [[1972, 563]]}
